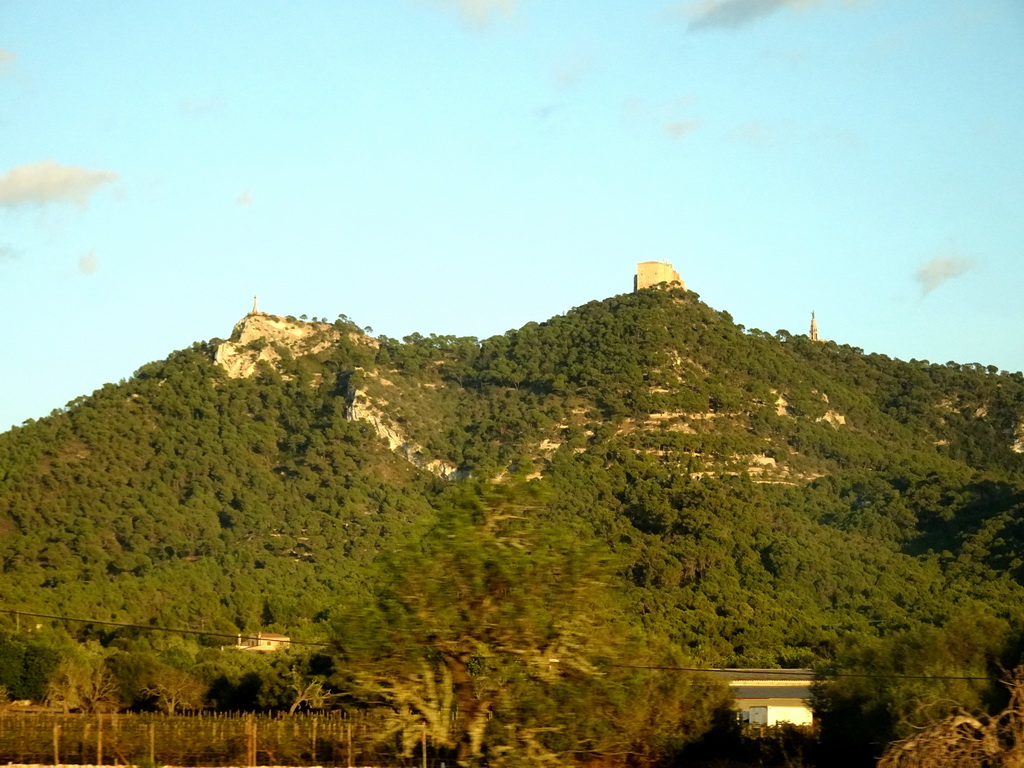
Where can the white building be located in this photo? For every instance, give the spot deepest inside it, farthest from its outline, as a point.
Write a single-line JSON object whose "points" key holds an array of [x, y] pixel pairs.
{"points": [[262, 642], [771, 696]]}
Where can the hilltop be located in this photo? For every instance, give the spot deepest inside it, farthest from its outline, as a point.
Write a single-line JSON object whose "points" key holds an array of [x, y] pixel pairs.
{"points": [[276, 463], [767, 499]]}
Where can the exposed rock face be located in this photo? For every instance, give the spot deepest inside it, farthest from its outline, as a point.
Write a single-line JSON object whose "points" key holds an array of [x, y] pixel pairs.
{"points": [[257, 335], [833, 418], [1018, 439], [361, 408], [782, 407]]}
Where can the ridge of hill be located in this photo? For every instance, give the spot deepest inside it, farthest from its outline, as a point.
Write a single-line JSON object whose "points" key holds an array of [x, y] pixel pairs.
{"points": [[768, 499]]}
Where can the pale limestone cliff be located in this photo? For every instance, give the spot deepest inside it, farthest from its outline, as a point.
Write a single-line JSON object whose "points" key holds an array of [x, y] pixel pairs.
{"points": [[361, 408], [782, 407], [260, 337], [834, 418]]}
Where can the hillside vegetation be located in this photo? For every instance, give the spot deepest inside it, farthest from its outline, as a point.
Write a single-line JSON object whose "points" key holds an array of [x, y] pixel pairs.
{"points": [[757, 500]]}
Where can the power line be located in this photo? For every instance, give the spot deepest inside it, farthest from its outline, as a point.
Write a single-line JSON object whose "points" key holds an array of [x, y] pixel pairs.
{"points": [[795, 674], [153, 628]]}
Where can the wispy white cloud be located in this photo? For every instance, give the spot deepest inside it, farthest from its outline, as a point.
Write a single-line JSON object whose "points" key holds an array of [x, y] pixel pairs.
{"points": [[6, 62], [545, 111], [680, 128], [49, 182], [792, 57], [573, 68], [7, 253], [88, 264], [734, 14], [942, 269], [244, 199], [756, 132], [479, 12], [662, 116], [201, 107]]}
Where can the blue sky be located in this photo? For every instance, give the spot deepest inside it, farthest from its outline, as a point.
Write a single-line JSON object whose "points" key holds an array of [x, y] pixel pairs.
{"points": [[466, 166]]}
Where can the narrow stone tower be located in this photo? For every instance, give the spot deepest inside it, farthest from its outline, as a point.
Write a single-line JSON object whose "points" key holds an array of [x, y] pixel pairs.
{"points": [[814, 328], [650, 273]]}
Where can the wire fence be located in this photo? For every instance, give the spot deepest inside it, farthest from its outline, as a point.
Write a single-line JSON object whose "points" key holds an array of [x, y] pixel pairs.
{"points": [[206, 739]]}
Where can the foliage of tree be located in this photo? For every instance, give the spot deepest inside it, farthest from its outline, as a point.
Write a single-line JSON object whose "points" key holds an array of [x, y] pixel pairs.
{"points": [[966, 739], [25, 667], [498, 632]]}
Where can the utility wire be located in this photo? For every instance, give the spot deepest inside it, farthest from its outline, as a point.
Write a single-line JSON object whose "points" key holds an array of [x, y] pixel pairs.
{"points": [[748, 674], [798, 674], [152, 628]]}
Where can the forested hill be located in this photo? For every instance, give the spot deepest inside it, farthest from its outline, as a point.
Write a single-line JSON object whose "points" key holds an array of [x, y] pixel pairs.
{"points": [[769, 500]]}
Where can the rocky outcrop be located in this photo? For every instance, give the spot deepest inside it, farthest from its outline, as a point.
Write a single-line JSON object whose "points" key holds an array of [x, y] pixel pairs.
{"points": [[361, 408], [834, 418], [259, 336], [782, 407]]}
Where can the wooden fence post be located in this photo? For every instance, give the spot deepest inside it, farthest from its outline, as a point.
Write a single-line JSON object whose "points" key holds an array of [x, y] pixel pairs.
{"points": [[99, 739], [56, 743], [250, 740]]}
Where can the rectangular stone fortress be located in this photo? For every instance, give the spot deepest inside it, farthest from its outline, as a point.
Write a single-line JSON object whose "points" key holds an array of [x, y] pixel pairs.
{"points": [[649, 273]]}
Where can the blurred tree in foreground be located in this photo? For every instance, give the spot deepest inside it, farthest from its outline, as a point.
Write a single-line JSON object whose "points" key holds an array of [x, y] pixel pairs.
{"points": [[498, 634], [966, 740]]}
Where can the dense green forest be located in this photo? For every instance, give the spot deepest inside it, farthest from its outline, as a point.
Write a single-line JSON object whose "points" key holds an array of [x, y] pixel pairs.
{"points": [[640, 478]]}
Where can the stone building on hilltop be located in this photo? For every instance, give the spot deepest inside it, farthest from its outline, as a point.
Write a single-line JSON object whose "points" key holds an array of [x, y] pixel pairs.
{"points": [[650, 273]]}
